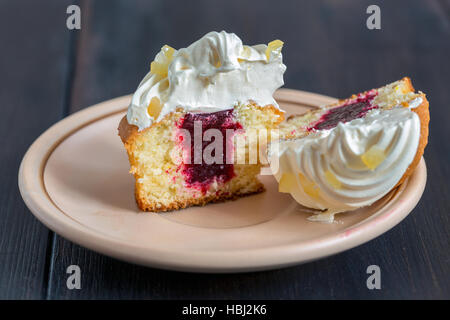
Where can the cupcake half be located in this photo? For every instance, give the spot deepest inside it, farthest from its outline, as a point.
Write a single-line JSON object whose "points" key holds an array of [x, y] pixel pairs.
{"points": [[350, 154], [216, 85]]}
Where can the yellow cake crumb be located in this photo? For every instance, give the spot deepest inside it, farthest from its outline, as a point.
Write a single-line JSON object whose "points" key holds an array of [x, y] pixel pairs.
{"points": [[154, 156]]}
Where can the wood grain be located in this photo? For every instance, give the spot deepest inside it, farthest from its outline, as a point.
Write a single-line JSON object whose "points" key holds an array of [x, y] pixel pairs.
{"points": [[328, 50], [34, 67]]}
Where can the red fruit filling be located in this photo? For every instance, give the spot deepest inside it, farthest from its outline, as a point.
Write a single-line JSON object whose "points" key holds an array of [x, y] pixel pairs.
{"points": [[201, 175], [353, 109]]}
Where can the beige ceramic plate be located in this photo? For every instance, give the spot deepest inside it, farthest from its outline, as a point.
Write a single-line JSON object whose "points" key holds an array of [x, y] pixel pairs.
{"points": [[74, 178]]}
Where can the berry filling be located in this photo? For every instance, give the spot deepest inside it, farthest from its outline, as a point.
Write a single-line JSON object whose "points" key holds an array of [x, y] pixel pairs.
{"points": [[353, 109], [201, 175]]}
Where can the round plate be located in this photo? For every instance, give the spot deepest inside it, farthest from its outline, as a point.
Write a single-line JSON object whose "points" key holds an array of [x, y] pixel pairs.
{"points": [[75, 180]]}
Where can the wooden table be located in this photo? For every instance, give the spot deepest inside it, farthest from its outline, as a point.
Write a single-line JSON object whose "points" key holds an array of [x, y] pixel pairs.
{"points": [[48, 72]]}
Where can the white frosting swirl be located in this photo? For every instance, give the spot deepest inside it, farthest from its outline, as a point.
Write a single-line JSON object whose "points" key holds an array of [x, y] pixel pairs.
{"points": [[328, 165], [214, 73]]}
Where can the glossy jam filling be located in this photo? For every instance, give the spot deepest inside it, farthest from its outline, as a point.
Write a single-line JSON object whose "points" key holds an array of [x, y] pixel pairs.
{"points": [[353, 109], [201, 175]]}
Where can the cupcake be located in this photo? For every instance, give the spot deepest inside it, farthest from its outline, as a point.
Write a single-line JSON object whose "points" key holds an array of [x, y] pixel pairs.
{"points": [[215, 91]]}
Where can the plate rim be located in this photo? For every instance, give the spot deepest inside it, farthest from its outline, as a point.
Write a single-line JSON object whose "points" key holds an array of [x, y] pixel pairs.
{"points": [[35, 196]]}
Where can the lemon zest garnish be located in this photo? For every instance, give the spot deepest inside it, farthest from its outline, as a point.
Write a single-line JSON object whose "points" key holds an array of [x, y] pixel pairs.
{"points": [[373, 157], [308, 186], [161, 67], [275, 45], [168, 52], [158, 68], [154, 107], [332, 180]]}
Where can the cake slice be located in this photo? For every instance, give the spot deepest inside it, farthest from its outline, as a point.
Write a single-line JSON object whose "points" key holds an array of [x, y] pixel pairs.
{"points": [[188, 116], [351, 153]]}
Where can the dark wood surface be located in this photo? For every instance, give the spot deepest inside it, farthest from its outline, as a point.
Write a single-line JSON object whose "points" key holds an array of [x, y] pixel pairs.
{"points": [[49, 72]]}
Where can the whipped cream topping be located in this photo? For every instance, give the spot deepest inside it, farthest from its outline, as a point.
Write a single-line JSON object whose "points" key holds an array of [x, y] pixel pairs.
{"points": [[415, 103], [351, 165], [214, 73]]}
